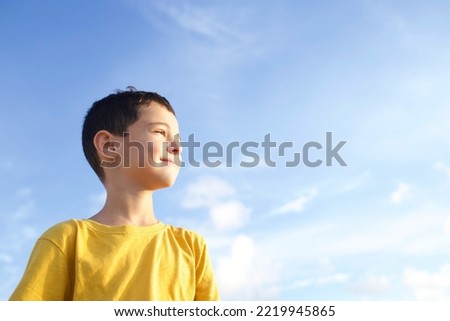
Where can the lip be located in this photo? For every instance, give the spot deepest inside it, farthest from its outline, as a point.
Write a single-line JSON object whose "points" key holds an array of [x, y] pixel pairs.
{"points": [[168, 161]]}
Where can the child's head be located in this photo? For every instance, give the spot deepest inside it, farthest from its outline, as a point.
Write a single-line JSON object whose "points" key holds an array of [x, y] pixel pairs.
{"points": [[124, 127]]}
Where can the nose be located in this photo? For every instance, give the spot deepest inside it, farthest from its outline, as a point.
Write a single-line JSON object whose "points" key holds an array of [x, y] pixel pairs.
{"points": [[174, 147]]}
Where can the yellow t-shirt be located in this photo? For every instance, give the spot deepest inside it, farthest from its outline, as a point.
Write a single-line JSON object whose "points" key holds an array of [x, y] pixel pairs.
{"points": [[86, 260]]}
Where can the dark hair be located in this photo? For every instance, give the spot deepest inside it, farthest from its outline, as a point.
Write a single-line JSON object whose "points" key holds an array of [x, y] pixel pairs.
{"points": [[115, 113]]}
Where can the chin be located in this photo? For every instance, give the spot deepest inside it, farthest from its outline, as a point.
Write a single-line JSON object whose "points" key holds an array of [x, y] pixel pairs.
{"points": [[163, 182], [168, 183]]}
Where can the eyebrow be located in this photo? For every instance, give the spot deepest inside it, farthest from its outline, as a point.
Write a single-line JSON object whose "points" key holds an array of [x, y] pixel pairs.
{"points": [[159, 123]]}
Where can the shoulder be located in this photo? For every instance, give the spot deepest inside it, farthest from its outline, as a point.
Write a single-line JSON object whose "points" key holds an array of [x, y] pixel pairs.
{"points": [[61, 233], [63, 228], [184, 232], [192, 237]]}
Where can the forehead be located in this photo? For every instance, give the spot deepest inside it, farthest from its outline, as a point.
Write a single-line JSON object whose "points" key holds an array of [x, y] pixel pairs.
{"points": [[157, 113]]}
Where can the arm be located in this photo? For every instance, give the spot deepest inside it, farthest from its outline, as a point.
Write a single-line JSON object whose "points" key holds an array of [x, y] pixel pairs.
{"points": [[206, 288]]}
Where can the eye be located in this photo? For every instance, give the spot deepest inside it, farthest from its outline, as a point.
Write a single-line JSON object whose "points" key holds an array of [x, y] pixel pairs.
{"points": [[161, 131]]}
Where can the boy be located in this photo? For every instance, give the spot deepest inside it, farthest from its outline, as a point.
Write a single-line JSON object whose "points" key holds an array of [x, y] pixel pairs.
{"points": [[131, 140]]}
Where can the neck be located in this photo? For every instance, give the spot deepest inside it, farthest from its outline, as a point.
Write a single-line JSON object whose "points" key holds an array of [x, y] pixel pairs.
{"points": [[127, 208]]}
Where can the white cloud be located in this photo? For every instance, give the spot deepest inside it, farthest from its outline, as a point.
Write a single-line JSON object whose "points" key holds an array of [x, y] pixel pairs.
{"points": [[401, 194], [427, 285], [371, 285], [217, 196], [298, 204], [206, 191], [228, 215], [245, 274]]}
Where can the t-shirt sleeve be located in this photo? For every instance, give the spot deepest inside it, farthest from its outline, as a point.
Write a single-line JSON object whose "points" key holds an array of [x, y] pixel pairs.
{"points": [[206, 288], [46, 276]]}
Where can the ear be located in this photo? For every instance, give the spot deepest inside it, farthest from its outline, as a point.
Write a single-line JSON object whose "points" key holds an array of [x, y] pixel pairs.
{"points": [[106, 146]]}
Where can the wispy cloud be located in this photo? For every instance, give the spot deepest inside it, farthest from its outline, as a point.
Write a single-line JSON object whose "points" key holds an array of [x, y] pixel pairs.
{"points": [[298, 204], [213, 34], [18, 236], [356, 182], [6, 258], [24, 192], [205, 21], [27, 204], [369, 234], [23, 211]]}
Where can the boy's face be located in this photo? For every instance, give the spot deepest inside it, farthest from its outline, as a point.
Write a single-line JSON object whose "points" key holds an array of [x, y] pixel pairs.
{"points": [[150, 153]]}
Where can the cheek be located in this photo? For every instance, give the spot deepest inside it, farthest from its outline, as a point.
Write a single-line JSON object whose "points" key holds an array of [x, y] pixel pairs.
{"points": [[155, 151], [156, 148]]}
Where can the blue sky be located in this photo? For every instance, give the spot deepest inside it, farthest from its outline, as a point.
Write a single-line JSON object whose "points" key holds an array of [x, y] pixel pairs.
{"points": [[374, 73]]}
